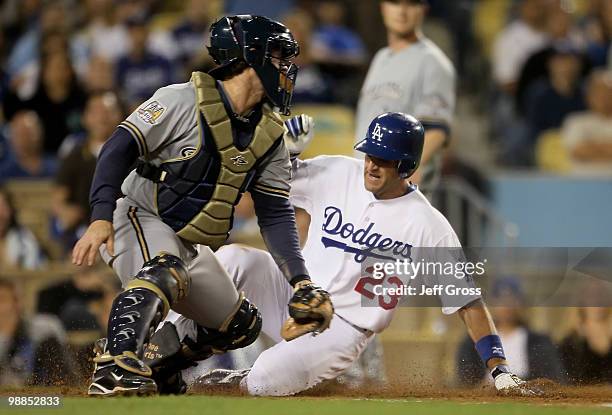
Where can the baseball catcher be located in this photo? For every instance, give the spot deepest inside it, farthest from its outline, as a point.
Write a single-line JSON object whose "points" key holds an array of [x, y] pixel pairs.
{"points": [[197, 147]]}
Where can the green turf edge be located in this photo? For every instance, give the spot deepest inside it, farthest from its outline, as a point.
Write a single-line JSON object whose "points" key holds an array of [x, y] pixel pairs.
{"points": [[215, 405]]}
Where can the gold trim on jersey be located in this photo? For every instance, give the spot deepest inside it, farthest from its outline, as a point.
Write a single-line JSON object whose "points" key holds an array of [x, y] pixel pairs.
{"points": [[142, 242], [273, 191], [211, 226], [138, 135]]}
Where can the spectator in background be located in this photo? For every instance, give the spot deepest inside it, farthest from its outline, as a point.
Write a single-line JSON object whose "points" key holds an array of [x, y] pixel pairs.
{"points": [[58, 100], [549, 101], [140, 73], [518, 127], [23, 65], [528, 31], [32, 351], [311, 86], [588, 135], [26, 159], [100, 75], [587, 351], [190, 36], [411, 75], [18, 246], [17, 16], [532, 354], [272, 9], [563, 33], [103, 35], [333, 42], [70, 197], [599, 32]]}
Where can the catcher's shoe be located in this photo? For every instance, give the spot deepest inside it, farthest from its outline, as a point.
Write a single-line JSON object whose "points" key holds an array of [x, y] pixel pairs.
{"points": [[221, 377], [119, 375]]}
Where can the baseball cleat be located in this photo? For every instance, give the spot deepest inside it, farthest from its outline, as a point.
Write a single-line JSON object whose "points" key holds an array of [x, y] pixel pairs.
{"points": [[112, 380], [119, 375], [222, 377]]}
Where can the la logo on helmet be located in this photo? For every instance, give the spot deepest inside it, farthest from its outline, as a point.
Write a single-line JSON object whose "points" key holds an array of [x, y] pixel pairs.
{"points": [[377, 134]]}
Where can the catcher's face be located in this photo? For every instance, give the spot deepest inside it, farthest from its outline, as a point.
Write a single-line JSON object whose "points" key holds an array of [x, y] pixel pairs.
{"points": [[382, 179]]}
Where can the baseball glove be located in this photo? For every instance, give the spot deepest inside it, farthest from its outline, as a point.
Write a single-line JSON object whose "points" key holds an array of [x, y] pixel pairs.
{"points": [[299, 131], [310, 311]]}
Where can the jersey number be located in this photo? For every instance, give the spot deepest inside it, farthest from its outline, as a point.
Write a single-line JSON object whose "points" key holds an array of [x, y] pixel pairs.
{"points": [[364, 282]]}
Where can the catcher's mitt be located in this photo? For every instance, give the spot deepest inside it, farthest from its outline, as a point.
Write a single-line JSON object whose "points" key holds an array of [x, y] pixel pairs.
{"points": [[310, 311]]}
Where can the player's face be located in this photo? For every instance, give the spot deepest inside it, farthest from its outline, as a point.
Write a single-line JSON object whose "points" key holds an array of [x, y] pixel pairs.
{"points": [[382, 179], [402, 17]]}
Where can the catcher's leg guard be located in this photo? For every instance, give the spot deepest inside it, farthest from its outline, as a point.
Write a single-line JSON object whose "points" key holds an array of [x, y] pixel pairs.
{"points": [[167, 355], [146, 301], [134, 315]]}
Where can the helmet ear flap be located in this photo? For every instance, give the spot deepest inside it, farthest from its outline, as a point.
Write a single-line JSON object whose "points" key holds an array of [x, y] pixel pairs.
{"points": [[406, 168], [401, 169]]}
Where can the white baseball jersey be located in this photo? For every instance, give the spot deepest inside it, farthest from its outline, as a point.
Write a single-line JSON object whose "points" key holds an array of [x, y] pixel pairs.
{"points": [[418, 80], [347, 224], [347, 221]]}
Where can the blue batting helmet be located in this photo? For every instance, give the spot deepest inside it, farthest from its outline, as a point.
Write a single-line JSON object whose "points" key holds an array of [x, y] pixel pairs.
{"points": [[395, 136]]}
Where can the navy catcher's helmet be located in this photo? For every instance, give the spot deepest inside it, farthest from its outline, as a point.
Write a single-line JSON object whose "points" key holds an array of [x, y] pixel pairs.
{"points": [[265, 45], [395, 136]]}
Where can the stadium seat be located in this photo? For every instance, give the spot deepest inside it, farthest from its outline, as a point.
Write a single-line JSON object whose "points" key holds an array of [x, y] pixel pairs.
{"points": [[551, 154], [334, 129]]}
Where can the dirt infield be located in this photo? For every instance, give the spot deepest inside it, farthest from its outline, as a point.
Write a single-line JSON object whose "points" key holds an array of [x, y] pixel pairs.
{"points": [[553, 393]]}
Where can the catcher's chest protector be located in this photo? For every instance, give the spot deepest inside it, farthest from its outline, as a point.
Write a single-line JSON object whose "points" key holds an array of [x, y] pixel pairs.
{"points": [[197, 196]]}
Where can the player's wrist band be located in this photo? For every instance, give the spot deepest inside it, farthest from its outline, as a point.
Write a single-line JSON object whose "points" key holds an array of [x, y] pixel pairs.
{"points": [[490, 347]]}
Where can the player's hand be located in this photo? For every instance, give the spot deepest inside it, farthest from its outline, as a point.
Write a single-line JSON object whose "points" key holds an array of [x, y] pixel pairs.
{"points": [[310, 311], [99, 232], [299, 131], [508, 383]]}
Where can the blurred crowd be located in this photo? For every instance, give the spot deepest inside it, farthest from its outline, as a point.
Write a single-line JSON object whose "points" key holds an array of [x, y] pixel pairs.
{"points": [[582, 356], [72, 70], [552, 87]]}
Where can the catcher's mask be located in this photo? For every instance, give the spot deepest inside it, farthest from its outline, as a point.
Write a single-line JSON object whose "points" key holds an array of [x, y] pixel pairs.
{"points": [[265, 45]]}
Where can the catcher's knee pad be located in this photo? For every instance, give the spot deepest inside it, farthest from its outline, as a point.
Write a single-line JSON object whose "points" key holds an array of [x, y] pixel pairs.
{"points": [[168, 275], [146, 301], [240, 329]]}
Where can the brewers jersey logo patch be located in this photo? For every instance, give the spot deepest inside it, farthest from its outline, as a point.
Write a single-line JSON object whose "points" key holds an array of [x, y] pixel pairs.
{"points": [[151, 113], [188, 151]]}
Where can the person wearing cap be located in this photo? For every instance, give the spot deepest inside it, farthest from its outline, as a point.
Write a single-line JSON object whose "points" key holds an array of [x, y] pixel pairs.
{"points": [[412, 75], [550, 100], [365, 216], [140, 72], [196, 147]]}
